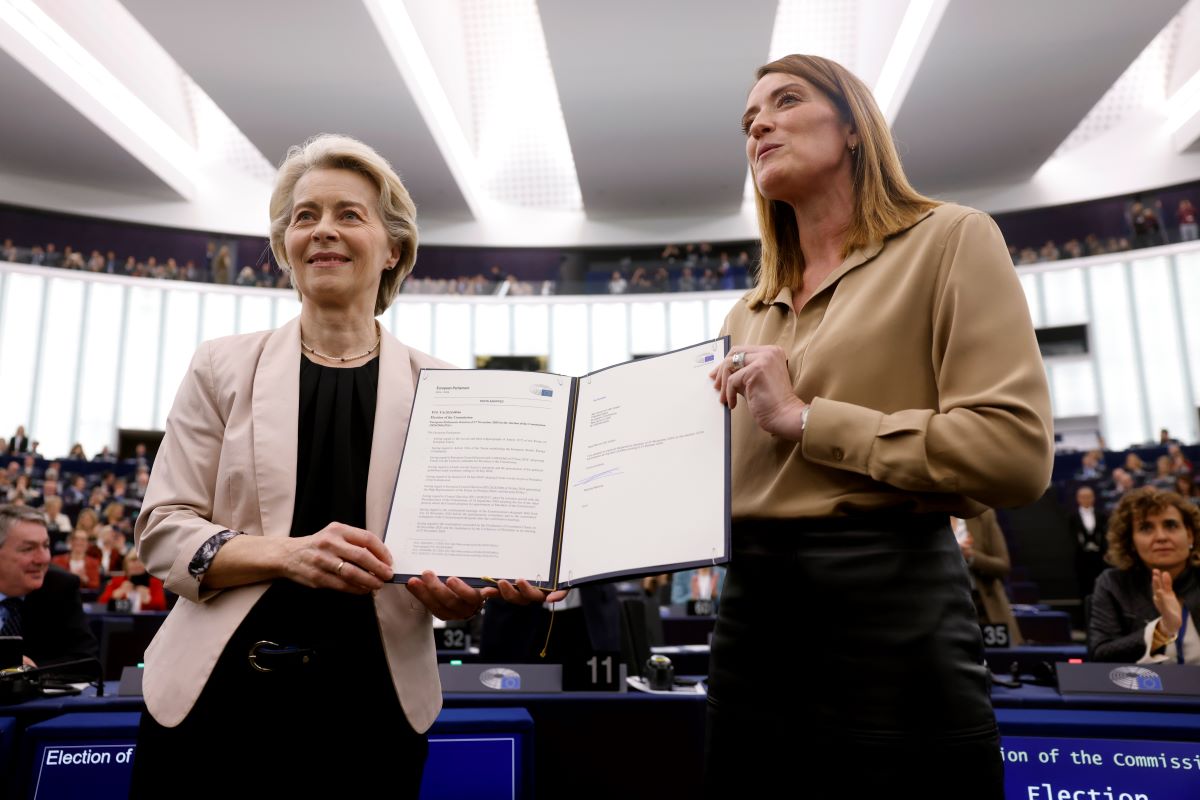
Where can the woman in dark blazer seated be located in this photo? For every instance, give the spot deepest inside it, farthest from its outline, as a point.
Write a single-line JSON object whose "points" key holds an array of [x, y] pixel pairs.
{"points": [[1145, 609]]}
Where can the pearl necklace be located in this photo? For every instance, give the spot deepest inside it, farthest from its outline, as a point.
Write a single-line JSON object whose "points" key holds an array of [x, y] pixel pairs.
{"points": [[343, 359]]}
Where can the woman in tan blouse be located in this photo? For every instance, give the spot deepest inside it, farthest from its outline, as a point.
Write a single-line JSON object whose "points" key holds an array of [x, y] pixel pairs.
{"points": [[883, 375]]}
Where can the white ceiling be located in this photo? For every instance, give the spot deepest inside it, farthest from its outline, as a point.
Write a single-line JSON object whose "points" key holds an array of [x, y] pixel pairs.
{"points": [[628, 133], [991, 102], [42, 135]]}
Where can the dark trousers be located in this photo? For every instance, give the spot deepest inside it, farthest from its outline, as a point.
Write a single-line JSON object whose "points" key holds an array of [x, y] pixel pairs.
{"points": [[847, 662]]}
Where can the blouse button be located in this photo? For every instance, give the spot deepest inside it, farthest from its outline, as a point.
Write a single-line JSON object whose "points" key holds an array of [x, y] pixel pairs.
{"points": [[838, 455]]}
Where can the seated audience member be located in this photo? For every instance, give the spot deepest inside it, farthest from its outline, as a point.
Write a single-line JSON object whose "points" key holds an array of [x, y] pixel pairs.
{"points": [[87, 521], [22, 487], [39, 602], [1144, 609], [141, 481], [1136, 468], [687, 280], [661, 281], [618, 284], [104, 455], [50, 484], [114, 515], [141, 456], [76, 494], [112, 545], [703, 583], [1185, 487], [1089, 526], [58, 525], [29, 464], [77, 453], [1179, 462], [1164, 476], [97, 500], [1122, 484], [79, 563], [1092, 467], [143, 591], [986, 553], [1185, 215]]}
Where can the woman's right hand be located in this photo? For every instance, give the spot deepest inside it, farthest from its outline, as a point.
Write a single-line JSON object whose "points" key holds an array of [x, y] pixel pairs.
{"points": [[1167, 603], [338, 557]]}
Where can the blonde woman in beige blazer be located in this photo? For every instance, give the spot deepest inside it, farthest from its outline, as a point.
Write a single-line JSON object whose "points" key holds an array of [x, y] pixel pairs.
{"points": [[290, 656]]}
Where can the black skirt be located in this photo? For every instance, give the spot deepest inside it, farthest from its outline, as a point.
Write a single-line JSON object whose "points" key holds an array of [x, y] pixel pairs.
{"points": [[847, 661]]}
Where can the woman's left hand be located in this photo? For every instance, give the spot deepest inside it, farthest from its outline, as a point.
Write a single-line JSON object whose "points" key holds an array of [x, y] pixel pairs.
{"points": [[454, 599], [764, 381]]}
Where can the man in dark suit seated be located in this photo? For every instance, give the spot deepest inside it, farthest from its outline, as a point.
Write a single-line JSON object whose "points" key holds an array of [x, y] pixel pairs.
{"points": [[38, 602]]}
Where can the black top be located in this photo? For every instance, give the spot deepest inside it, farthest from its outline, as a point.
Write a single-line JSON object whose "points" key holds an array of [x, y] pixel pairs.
{"points": [[1123, 604], [336, 424]]}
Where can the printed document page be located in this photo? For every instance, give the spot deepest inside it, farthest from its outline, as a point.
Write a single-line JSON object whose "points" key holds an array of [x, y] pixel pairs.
{"points": [[648, 475], [478, 488]]}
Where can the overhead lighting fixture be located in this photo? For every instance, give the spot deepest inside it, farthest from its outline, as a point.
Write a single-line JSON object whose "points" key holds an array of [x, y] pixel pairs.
{"points": [[404, 44], [1183, 114], [908, 50], [522, 149], [36, 41]]}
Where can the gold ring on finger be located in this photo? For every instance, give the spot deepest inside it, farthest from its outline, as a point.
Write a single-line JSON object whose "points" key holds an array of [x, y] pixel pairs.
{"points": [[338, 571]]}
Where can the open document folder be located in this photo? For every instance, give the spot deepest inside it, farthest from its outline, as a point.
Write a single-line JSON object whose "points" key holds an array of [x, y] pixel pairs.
{"points": [[561, 480]]}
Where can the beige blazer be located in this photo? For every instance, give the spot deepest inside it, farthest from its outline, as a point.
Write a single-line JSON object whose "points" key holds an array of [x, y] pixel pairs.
{"points": [[228, 461]]}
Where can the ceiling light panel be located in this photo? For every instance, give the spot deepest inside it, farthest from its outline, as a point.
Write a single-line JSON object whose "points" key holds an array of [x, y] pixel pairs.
{"points": [[523, 156], [218, 140], [33, 38], [827, 28], [1142, 86]]}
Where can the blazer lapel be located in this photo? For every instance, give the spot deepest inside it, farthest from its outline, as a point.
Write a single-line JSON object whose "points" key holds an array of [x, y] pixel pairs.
{"points": [[393, 406], [276, 414]]}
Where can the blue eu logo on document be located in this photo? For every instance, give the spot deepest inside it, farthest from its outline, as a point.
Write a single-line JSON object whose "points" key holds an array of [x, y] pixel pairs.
{"points": [[541, 390]]}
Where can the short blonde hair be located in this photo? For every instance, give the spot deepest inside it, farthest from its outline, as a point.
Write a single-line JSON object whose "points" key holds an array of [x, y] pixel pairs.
{"points": [[333, 151], [884, 201]]}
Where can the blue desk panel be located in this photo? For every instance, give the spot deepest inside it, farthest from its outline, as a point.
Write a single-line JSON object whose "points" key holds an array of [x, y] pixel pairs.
{"points": [[600, 741], [91, 755], [495, 742], [81, 755], [8, 742]]}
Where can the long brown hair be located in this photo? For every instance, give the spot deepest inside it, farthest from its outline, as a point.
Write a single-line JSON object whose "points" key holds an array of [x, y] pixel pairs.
{"points": [[885, 202]]}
